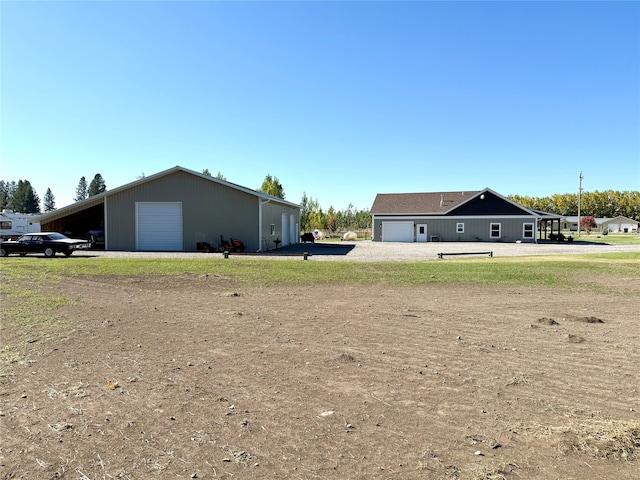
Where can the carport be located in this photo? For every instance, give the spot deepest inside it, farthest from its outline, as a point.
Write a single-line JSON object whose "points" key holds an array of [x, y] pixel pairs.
{"points": [[76, 220]]}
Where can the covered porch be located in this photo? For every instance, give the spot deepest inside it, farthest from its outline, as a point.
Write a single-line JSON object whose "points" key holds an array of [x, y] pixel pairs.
{"points": [[549, 225]]}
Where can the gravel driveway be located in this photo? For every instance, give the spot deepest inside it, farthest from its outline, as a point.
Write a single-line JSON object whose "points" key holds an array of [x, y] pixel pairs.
{"points": [[367, 251]]}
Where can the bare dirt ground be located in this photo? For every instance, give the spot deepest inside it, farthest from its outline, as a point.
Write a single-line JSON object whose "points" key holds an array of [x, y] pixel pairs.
{"points": [[194, 377]]}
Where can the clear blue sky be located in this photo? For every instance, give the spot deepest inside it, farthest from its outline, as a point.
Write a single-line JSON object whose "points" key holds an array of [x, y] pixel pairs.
{"points": [[341, 100]]}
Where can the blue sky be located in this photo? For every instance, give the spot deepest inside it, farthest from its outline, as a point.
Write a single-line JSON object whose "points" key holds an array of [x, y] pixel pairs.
{"points": [[341, 100]]}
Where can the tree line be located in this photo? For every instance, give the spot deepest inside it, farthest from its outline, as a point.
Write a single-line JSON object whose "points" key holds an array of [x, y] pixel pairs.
{"points": [[21, 197], [605, 204], [312, 216]]}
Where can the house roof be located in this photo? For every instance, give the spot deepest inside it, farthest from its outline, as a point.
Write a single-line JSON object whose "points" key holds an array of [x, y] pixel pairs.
{"points": [[437, 203], [98, 199]]}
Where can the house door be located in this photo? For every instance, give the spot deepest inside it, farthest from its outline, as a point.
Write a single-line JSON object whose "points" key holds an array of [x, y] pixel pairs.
{"points": [[421, 232]]}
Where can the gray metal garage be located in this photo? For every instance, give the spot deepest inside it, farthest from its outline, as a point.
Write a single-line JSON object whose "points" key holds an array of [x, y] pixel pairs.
{"points": [[180, 210]]}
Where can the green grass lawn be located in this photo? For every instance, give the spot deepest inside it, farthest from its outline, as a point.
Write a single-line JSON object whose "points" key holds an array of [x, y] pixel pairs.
{"points": [[622, 239], [561, 271]]}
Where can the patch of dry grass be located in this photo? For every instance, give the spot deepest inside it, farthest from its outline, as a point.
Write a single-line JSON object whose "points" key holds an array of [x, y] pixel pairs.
{"points": [[595, 436]]}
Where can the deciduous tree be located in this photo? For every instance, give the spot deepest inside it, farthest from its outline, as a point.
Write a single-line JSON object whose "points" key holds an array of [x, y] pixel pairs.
{"points": [[588, 223], [272, 186]]}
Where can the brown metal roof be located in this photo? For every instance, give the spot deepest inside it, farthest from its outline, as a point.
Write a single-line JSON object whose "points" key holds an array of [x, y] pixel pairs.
{"points": [[418, 203]]}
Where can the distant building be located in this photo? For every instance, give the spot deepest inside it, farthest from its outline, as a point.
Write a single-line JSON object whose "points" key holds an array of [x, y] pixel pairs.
{"points": [[617, 224]]}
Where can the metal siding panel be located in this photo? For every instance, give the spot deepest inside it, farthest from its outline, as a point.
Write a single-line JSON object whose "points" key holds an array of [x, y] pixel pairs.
{"points": [[476, 229], [209, 209], [272, 213]]}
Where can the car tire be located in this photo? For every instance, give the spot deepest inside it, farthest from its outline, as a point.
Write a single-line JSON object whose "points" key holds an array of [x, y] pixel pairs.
{"points": [[3, 252], [49, 252]]}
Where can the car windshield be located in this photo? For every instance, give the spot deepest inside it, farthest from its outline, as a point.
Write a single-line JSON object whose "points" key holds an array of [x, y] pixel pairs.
{"points": [[56, 236]]}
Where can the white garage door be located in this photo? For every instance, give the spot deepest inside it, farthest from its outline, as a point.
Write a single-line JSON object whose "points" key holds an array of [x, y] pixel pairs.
{"points": [[397, 231], [159, 226]]}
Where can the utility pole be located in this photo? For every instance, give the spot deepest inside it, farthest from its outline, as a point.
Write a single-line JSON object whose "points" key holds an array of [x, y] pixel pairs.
{"points": [[579, 195]]}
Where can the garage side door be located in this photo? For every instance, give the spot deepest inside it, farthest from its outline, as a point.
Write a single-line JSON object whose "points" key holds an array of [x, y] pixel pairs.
{"points": [[159, 226], [397, 231]]}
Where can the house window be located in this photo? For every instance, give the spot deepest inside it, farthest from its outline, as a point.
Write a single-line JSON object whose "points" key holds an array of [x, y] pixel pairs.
{"points": [[5, 225], [273, 229], [527, 230], [459, 227], [495, 230]]}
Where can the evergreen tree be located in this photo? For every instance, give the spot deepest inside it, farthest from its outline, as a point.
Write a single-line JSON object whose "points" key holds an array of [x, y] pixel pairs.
{"points": [[5, 194], [49, 201], [81, 190], [25, 199], [97, 185]]}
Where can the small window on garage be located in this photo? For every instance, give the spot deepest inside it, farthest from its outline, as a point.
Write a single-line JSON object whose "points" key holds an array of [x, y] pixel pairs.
{"points": [[527, 230], [459, 227], [495, 230], [273, 229]]}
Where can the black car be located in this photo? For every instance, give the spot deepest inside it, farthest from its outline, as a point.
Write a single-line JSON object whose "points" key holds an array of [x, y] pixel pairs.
{"points": [[48, 243]]}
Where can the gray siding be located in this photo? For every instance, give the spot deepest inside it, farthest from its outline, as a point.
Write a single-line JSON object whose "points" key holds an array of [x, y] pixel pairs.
{"points": [[476, 229], [272, 215], [209, 210]]}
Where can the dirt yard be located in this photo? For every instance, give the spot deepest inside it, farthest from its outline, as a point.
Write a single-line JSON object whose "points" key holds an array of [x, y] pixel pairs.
{"points": [[194, 377]]}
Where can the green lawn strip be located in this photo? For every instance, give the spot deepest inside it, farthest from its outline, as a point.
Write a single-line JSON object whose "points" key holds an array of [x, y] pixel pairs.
{"points": [[562, 271], [621, 239]]}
